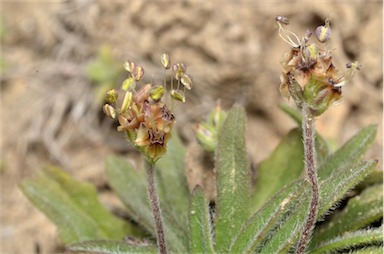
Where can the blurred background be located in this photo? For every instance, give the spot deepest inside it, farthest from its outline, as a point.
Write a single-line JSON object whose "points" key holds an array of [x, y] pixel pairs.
{"points": [[59, 57]]}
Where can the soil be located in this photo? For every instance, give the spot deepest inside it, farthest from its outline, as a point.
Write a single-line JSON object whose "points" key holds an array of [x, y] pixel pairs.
{"points": [[50, 114]]}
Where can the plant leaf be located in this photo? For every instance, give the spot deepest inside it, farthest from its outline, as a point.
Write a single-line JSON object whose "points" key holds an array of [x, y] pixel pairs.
{"points": [[335, 187], [351, 240], [111, 247], [130, 185], [289, 230], [73, 206], [361, 211], [368, 250], [349, 153], [200, 223], [233, 180], [172, 183], [292, 112], [262, 224], [283, 166]]}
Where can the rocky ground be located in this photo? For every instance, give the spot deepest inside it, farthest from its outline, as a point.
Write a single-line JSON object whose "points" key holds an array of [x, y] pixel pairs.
{"points": [[51, 115]]}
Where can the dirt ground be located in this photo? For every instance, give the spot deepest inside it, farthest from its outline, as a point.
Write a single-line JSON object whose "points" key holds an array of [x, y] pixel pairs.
{"points": [[49, 113]]}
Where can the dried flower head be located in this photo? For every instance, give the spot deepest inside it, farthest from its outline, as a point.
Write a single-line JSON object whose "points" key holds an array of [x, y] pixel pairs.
{"points": [[142, 114], [308, 74]]}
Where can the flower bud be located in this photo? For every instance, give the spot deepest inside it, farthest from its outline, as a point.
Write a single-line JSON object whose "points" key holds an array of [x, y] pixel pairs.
{"points": [[156, 93], [128, 83], [109, 110], [206, 136], [186, 80], [178, 95], [111, 96], [165, 61]]}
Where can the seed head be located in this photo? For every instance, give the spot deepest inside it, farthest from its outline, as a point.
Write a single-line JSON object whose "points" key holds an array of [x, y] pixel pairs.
{"points": [[308, 74]]}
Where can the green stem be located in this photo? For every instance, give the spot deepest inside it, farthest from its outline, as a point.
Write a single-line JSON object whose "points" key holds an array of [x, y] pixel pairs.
{"points": [[155, 205], [310, 168]]}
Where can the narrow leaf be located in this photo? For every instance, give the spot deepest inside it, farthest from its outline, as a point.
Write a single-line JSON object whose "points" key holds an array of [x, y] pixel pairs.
{"points": [[262, 224], [111, 247], [349, 153], [288, 232], [73, 206], [282, 167], [233, 180], [361, 211], [321, 145], [368, 250], [331, 191], [292, 112], [200, 223], [355, 239], [335, 187], [130, 185], [172, 183]]}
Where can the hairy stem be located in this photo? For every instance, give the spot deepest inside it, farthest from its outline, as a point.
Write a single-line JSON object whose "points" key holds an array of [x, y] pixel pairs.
{"points": [[155, 205], [310, 168]]}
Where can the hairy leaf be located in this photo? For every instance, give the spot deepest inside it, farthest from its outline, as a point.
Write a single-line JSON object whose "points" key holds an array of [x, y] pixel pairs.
{"points": [[288, 232], [335, 187], [361, 211], [283, 166], [322, 148], [349, 153], [74, 207], [130, 185], [233, 180], [293, 113], [200, 223], [262, 224], [362, 238], [111, 247], [172, 183]]}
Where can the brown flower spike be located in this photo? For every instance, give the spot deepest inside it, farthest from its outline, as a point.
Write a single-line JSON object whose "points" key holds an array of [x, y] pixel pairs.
{"points": [[308, 74], [147, 121]]}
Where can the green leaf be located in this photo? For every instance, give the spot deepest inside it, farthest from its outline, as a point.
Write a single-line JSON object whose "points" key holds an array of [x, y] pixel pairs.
{"points": [[200, 223], [349, 153], [262, 224], [361, 211], [233, 179], [283, 166], [130, 185], [335, 187], [172, 183], [73, 206], [331, 191], [289, 230], [376, 177], [322, 148], [292, 112], [111, 247], [351, 240], [368, 250]]}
